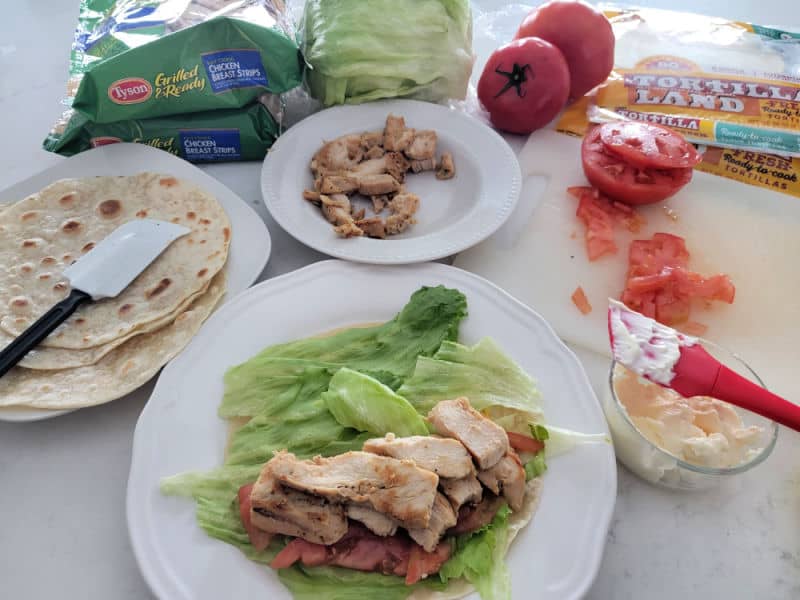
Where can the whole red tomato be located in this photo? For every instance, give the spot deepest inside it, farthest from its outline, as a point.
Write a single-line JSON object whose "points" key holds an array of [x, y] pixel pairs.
{"points": [[582, 33], [524, 85]]}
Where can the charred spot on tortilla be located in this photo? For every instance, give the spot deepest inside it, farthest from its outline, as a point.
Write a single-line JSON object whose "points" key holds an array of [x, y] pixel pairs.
{"points": [[168, 181], [67, 200], [158, 288], [87, 247], [70, 227], [109, 209], [141, 213], [27, 216]]}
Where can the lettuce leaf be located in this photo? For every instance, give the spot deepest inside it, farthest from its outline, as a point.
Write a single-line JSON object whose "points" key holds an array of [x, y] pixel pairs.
{"points": [[482, 373], [479, 558], [363, 403]]}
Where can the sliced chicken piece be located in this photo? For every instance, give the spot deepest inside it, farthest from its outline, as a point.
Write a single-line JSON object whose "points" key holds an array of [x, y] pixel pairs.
{"points": [[338, 184], [396, 165], [418, 166], [444, 456], [311, 196], [372, 139], [404, 204], [466, 490], [507, 477], [398, 223], [374, 227], [443, 517], [472, 517], [336, 208], [348, 230], [341, 154], [374, 166], [376, 522], [275, 509], [376, 185], [358, 214], [446, 168], [485, 440], [396, 137], [374, 152], [379, 202], [423, 146], [396, 488]]}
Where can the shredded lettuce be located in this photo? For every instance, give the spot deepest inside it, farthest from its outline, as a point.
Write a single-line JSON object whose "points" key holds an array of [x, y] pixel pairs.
{"points": [[359, 51], [363, 403], [563, 440], [479, 558], [535, 466]]}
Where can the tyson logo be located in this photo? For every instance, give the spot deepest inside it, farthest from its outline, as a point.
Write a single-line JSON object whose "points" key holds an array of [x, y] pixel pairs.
{"points": [[130, 90]]}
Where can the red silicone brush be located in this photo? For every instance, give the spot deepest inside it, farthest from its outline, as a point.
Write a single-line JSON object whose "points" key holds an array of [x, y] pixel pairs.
{"points": [[678, 361]]}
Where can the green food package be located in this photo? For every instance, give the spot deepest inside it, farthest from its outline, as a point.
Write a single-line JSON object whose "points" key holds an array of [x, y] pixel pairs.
{"points": [[211, 136], [221, 63]]}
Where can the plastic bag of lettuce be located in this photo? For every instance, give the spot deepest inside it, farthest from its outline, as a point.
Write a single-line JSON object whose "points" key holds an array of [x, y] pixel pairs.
{"points": [[362, 50]]}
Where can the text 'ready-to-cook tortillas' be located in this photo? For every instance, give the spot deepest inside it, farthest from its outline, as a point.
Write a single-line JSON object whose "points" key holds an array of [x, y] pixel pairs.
{"points": [[48, 358], [119, 372], [42, 234]]}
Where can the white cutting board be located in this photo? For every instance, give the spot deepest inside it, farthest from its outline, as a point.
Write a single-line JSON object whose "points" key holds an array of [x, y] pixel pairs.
{"points": [[749, 233]]}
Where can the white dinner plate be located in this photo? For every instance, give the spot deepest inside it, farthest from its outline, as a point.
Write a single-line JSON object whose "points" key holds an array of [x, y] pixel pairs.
{"points": [[555, 558], [453, 214], [250, 242]]}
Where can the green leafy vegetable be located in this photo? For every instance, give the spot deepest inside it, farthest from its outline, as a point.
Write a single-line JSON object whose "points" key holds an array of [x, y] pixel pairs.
{"points": [[535, 466], [479, 558], [539, 432], [482, 373], [563, 440], [359, 401], [365, 50]]}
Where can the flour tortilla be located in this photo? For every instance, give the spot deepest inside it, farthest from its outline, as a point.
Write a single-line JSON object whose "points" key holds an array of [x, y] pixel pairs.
{"points": [[459, 588], [44, 233], [46, 358], [121, 371]]}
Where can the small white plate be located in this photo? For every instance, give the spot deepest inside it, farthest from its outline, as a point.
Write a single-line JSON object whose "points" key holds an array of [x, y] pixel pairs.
{"points": [[453, 214], [555, 558], [250, 242]]}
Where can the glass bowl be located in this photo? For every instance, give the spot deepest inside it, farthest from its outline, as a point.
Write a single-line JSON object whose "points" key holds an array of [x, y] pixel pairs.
{"points": [[660, 467]]}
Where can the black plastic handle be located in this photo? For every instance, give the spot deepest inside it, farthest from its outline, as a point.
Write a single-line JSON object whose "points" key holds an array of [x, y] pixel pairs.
{"points": [[33, 335]]}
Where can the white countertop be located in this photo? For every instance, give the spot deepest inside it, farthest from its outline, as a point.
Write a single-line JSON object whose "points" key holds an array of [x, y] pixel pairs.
{"points": [[62, 508]]}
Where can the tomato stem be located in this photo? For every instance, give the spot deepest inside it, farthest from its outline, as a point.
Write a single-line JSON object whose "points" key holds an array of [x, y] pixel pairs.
{"points": [[516, 77]]}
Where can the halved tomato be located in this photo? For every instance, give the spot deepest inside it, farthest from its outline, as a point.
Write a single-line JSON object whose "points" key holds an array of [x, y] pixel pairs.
{"points": [[622, 181], [259, 539], [648, 146]]}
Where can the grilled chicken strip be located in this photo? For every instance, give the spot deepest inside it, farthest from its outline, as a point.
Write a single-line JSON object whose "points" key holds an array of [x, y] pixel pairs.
{"points": [[379, 203], [372, 139], [374, 227], [374, 152], [341, 154], [336, 208], [376, 185], [506, 477], [446, 168], [311, 196], [461, 491], [485, 440], [338, 184], [396, 137], [396, 165], [418, 166], [423, 145], [444, 456], [443, 517], [349, 230], [275, 509], [373, 166], [376, 522], [396, 488]]}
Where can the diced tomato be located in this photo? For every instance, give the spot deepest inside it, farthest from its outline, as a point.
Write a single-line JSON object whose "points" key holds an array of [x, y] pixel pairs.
{"points": [[259, 539], [580, 300], [414, 573], [599, 214], [524, 443], [661, 286]]}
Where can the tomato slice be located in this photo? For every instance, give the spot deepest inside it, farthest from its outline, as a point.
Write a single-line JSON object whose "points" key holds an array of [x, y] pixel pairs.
{"points": [[622, 181], [648, 146], [259, 539], [524, 443]]}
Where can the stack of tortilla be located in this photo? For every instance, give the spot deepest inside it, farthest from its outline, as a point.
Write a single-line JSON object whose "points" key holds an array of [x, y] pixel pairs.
{"points": [[111, 347]]}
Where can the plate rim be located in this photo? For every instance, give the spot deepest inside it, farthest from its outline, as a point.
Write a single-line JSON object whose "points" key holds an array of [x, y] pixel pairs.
{"points": [[270, 193], [204, 180], [155, 573]]}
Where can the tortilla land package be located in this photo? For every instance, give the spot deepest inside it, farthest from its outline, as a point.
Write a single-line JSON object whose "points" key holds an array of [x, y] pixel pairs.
{"points": [[196, 78], [732, 86]]}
